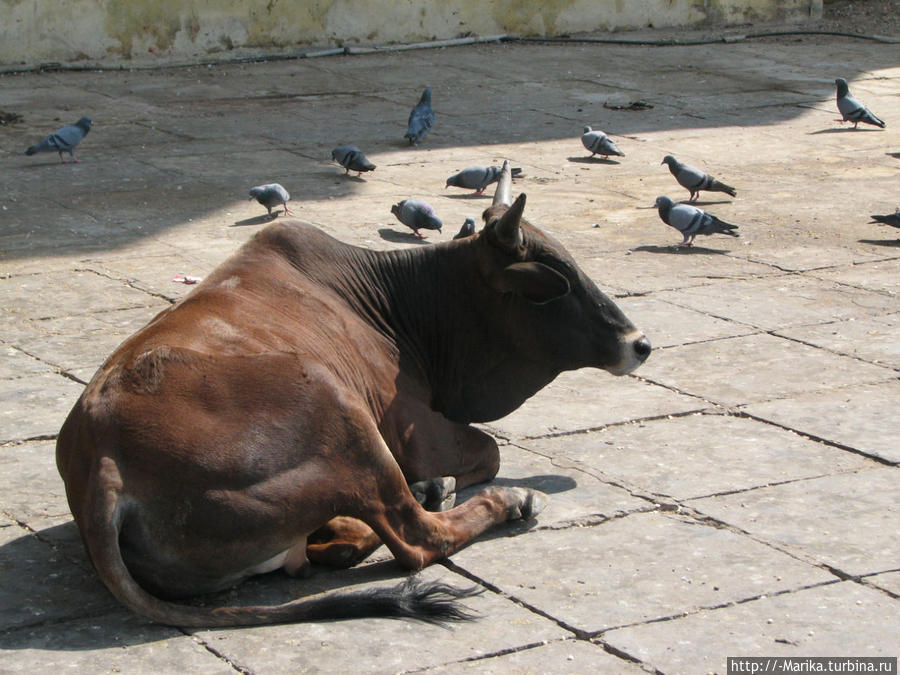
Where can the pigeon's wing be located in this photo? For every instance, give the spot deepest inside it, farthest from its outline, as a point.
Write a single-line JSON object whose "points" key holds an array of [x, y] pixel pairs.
{"points": [[608, 147], [690, 177], [66, 138], [685, 218]]}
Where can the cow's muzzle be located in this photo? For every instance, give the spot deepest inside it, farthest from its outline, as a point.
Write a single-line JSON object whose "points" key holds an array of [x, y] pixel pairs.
{"points": [[635, 350]]}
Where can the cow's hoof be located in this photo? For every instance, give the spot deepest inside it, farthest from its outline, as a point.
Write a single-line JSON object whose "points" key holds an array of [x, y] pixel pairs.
{"points": [[530, 503], [435, 494]]}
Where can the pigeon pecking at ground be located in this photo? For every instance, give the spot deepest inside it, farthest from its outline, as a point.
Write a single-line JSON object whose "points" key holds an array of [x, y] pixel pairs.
{"points": [[852, 110], [64, 140], [478, 177], [416, 215], [467, 229], [421, 119], [352, 159], [691, 221], [271, 195], [892, 219], [695, 179], [599, 143]]}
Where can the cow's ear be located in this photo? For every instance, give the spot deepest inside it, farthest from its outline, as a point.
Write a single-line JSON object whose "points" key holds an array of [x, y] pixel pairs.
{"points": [[534, 281], [508, 229]]}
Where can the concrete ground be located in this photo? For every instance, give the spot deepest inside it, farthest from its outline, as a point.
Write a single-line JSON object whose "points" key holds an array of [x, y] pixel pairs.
{"points": [[735, 496]]}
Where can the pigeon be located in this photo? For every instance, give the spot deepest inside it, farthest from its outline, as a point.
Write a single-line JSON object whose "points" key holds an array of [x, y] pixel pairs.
{"points": [[691, 221], [64, 139], [599, 143], [467, 229], [852, 110], [270, 196], [478, 177], [416, 215], [892, 219], [421, 119], [352, 159], [694, 179]]}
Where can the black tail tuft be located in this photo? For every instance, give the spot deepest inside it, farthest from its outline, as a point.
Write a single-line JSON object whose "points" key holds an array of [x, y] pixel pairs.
{"points": [[431, 602]]}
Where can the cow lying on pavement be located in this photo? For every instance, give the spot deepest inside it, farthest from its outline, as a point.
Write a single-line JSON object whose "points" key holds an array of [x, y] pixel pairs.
{"points": [[278, 413]]}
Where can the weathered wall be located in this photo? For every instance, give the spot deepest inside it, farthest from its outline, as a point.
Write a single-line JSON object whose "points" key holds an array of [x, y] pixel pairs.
{"points": [[113, 31]]}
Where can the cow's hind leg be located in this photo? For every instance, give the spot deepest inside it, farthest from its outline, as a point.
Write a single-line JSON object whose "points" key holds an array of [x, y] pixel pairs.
{"points": [[342, 542]]}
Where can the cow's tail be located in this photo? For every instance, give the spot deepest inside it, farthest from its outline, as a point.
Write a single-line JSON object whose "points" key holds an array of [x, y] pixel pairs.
{"points": [[428, 601]]}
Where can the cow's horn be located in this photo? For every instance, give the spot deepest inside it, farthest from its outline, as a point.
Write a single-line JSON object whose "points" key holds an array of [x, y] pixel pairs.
{"points": [[507, 229], [503, 195]]}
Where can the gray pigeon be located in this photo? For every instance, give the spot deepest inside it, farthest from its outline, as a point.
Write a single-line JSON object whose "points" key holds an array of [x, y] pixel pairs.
{"points": [[478, 177], [599, 143], [467, 229], [421, 119], [892, 219], [695, 179], [352, 159], [691, 221], [64, 140], [271, 195], [416, 215], [852, 110]]}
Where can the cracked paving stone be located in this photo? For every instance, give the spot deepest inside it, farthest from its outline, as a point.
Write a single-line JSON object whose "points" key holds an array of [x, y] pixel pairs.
{"points": [[820, 621], [634, 569], [848, 521]]}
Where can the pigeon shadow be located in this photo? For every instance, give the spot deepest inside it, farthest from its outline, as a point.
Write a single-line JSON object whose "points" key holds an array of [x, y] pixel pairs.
{"points": [[388, 234], [350, 176], [893, 243], [682, 250], [470, 195], [700, 202], [593, 160], [839, 130], [255, 220]]}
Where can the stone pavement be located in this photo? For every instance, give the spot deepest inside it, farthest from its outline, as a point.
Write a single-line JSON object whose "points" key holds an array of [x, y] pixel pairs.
{"points": [[737, 495]]}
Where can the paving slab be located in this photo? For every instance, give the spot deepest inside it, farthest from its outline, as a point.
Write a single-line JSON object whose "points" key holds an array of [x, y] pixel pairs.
{"points": [[846, 521], [756, 368], [820, 621], [601, 400], [844, 416], [117, 642], [41, 584], [638, 568], [39, 493], [873, 339], [58, 294], [782, 302], [36, 405], [697, 455], [570, 657], [889, 582], [881, 275]]}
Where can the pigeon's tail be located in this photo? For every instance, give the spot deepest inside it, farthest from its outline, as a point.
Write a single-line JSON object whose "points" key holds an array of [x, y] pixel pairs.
{"points": [[870, 118], [38, 147], [721, 227], [892, 219], [718, 186]]}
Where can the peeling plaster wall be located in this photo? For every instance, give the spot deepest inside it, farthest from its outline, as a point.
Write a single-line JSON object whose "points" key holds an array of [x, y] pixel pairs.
{"points": [[165, 31]]}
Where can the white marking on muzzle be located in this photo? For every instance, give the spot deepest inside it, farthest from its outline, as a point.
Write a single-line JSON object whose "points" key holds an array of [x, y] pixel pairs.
{"points": [[630, 359]]}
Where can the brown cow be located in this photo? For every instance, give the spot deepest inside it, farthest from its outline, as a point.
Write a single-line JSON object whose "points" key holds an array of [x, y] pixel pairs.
{"points": [[278, 414]]}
